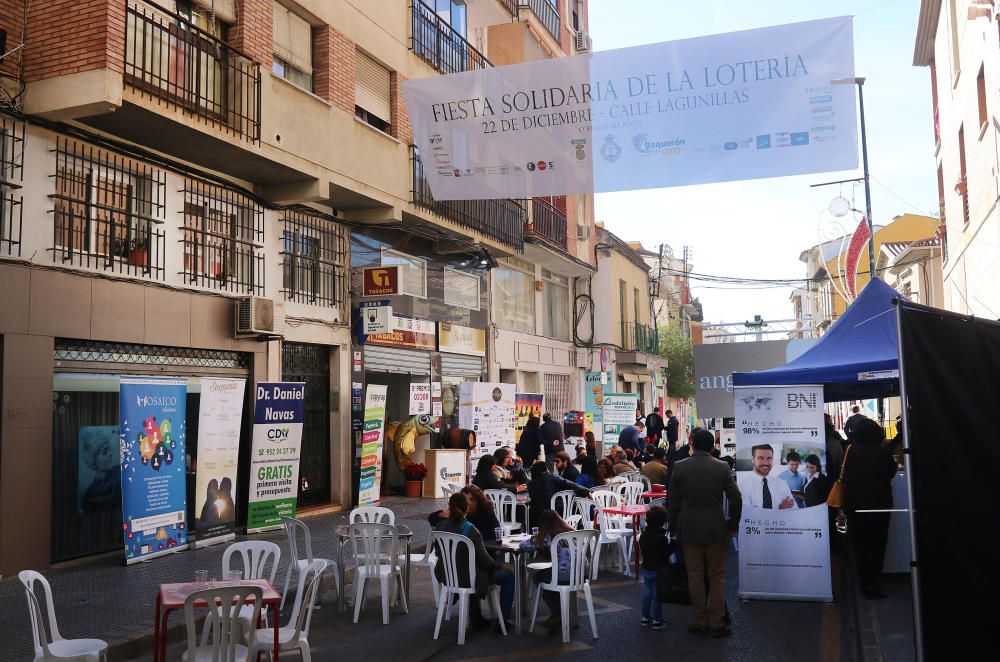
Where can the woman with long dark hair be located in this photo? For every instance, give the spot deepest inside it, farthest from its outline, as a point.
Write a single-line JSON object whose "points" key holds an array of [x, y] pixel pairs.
{"points": [[529, 446], [488, 571], [485, 478], [590, 477]]}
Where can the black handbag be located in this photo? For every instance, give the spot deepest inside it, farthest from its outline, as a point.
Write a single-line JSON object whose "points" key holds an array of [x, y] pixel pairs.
{"points": [[672, 584]]}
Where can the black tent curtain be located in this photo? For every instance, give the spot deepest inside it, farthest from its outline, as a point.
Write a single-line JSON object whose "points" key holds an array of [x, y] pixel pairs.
{"points": [[950, 373]]}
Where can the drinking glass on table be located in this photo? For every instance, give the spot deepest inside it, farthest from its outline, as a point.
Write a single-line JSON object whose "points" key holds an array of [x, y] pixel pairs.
{"points": [[534, 532], [498, 532], [201, 576], [235, 576]]}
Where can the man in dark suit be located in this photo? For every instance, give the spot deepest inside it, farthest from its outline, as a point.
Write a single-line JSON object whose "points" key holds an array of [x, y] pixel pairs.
{"points": [[543, 485], [654, 426], [672, 428], [552, 437], [564, 468], [695, 514], [851, 424]]}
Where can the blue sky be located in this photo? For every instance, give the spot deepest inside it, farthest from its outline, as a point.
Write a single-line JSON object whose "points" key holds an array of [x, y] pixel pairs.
{"points": [[758, 228]]}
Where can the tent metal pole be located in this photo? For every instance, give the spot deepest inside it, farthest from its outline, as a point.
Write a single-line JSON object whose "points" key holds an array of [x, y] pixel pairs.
{"points": [[918, 628]]}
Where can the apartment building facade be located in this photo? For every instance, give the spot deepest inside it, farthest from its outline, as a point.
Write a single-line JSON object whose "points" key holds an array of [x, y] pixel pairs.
{"points": [[959, 42], [165, 164]]}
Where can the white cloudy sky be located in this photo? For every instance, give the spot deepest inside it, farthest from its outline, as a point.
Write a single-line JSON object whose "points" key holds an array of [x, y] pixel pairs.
{"points": [[758, 228]]}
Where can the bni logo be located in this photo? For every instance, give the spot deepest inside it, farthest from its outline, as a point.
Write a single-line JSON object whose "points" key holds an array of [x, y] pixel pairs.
{"points": [[801, 400]]}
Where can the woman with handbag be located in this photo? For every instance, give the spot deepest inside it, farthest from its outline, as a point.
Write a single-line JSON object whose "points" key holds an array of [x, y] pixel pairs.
{"points": [[866, 477]]}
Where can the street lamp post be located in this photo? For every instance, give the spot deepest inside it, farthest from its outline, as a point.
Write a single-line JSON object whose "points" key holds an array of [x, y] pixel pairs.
{"points": [[860, 82]]}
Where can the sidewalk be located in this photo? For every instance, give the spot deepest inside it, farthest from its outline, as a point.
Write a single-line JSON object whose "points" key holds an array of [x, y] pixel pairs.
{"points": [[103, 598]]}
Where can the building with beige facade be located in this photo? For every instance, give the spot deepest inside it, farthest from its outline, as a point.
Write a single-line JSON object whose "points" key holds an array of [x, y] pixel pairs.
{"points": [[167, 164]]}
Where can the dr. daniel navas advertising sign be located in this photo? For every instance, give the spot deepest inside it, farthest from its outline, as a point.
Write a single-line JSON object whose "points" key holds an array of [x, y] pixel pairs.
{"points": [[279, 411], [742, 105]]}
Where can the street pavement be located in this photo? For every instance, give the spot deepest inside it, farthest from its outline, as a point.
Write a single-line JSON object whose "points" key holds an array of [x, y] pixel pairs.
{"points": [[102, 598]]}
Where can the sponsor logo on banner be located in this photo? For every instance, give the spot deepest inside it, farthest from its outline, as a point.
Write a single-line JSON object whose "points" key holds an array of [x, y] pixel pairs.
{"points": [[764, 141], [610, 150], [379, 281], [648, 147]]}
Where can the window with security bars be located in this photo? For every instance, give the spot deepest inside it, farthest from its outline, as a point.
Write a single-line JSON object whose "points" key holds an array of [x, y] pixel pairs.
{"points": [[314, 259], [11, 176], [107, 211], [223, 230], [557, 396]]}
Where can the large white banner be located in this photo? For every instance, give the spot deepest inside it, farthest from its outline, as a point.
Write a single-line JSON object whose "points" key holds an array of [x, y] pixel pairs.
{"points": [[742, 105], [218, 447], [784, 545], [487, 409]]}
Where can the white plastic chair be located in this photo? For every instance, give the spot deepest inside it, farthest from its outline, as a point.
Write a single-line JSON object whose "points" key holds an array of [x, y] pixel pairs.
{"points": [[224, 644], [292, 528], [429, 560], [84, 650], [295, 635], [647, 484], [617, 479], [629, 492], [447, 545], [611, 499], [376, 514], [562, 503], [257, 556], [585, 509], [448, 489], [505, 504], [616, 537], [369, 539], [578, 544]]}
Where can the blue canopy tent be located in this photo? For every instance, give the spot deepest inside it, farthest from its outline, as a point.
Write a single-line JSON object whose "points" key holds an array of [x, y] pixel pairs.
{"points": [[856, 359]]}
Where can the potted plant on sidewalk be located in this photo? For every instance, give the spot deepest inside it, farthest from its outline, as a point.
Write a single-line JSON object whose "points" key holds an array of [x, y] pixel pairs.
{"points": [[415, 474]]}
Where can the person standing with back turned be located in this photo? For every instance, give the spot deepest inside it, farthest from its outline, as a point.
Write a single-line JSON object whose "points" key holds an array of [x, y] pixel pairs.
{"points": [[695, 514]]}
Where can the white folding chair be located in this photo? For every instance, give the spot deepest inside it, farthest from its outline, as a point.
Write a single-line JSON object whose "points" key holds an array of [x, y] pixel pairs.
{"points": [[562, 503], [616, 537], [224, 639], [376, 514], [295, 635], [629, 492], [505, 504], [260, 561], [447, 545], [369, 540], [577, 545], [293, 528], [84, 650]]}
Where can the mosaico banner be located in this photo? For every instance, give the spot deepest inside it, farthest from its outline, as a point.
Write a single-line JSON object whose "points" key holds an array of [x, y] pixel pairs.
{"points": [[784, 535], [152, 438], [741, 105], [372, 443], [279, 411], [220, 416]]}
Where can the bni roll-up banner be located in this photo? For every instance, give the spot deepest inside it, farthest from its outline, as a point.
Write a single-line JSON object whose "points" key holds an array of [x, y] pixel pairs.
{"points": [[741, 105], [220, 417], [279, 411], [152, 437], [784, 546]]}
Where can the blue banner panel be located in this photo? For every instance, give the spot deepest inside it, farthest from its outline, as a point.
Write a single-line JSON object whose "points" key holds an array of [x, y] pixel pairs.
{"points": [[152, 438]]}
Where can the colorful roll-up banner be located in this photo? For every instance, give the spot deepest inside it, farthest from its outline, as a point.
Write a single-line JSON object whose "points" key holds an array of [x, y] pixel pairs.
{"points": [[372, 440], [619, 412], [725, 107], [527, 405], [596, 387], [279, 411], [784, 543], [220, 417], [152, 433]]}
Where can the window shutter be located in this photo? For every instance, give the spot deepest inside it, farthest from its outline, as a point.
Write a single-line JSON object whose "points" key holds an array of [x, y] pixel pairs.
{"points": [[373, 88], [292, 38], [225, 10]]}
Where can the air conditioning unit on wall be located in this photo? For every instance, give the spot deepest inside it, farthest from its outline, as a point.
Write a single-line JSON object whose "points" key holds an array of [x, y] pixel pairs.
{"points": [[254, 317], [582, 231], [582, 42]]}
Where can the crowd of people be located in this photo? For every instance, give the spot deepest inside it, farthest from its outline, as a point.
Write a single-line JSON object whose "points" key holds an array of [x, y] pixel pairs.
{"points": [[704, 503]]}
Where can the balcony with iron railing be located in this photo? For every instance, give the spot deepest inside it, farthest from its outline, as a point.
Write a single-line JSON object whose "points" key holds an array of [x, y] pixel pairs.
{"points": [[546, 12], [501, 220], [439, 44], [547, 223], [170, 59], [640, 338]]}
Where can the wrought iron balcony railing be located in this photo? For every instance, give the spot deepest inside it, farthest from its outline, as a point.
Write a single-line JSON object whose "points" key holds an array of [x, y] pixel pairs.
{"points": [[501, 220], [548, 222], [439, 44], [640, 338], [546, 13], [170, 59]]}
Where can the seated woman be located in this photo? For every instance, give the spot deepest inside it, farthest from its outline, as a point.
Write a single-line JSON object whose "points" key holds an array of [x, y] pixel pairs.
{"points": [[504, 470], [606, 468], [590, 475], [485, 479], [551, 525], [488, 571], [481, 513]]}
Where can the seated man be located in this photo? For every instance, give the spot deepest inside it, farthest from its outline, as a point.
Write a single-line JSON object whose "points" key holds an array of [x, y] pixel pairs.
{"points": [[564, 468], [543, 485], [622, 465], [656, 470]]}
